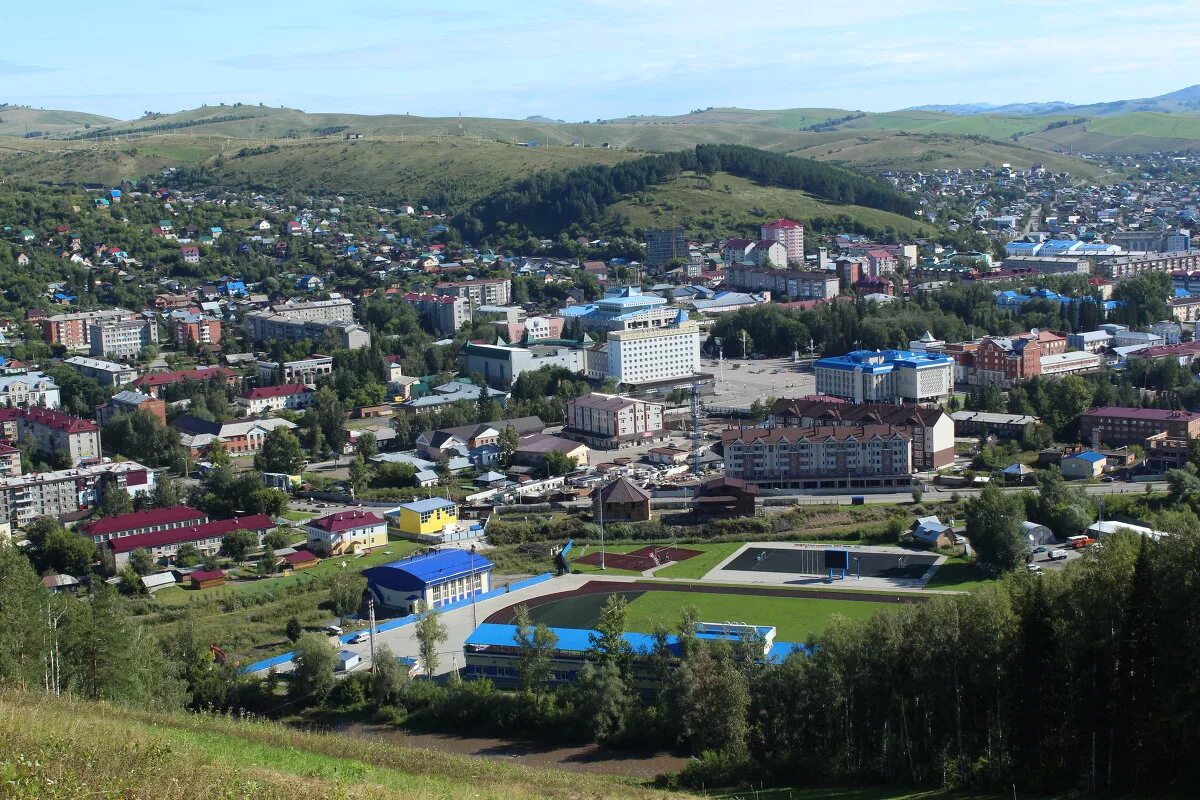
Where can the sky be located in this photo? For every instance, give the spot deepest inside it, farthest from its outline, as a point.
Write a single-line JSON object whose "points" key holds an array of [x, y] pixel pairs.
{"points": [[591, 59]]}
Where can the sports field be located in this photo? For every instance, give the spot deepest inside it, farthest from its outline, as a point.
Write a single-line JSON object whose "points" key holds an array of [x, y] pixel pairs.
{"points": [[796, 615]]}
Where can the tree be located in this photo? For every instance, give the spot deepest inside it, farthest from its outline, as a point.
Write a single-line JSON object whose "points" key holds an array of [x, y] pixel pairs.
{"points": [[187, 555], [1061, 506], [166, 492], [430, 633], [608, 643], [559, 463], [217, 454], [275, 539], [535, 644], [315, 659], [281, 452], [605, 700], [294, 629], [116, 501], [1182, 483], [53, 548], [389, 677], [713, 700], [995, 531], [141, 561], [238, 544], [346, 592], [268, 563], [367, 445], [360, 475], [917, 493]]}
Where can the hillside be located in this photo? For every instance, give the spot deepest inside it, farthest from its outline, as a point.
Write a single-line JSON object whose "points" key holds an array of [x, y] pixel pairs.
{"points": [[78, 749], [724, 205], [22, 120]]}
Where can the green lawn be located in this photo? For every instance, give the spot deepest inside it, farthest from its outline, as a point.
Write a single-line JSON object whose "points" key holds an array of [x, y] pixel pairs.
{"points": [[795, 619], [957, 574], [699, 566], [583, 550], [296, 516]]}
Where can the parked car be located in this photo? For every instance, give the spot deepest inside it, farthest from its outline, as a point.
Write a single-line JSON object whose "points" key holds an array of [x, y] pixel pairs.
{"points": [[1033, 568], [359, 638], [1040, 549]]}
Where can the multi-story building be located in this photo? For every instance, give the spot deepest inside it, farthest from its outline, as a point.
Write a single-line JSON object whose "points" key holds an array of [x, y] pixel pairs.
{"points": [[306, 371], [502, 364], [10, 466], [346, 335], [479, 292], [789, 234], [780, 282], [346, 532], [129, 401], [1125, 266], [663, 245], [889, 376], [29, 389], [55, 432], [262, 399], [768, 253], [930, 429], [443, 313], [153, 382], [426, 517], [137, 522], [1001, 361], [1049, 265], [240, 437], [608, 421], [622, 308], [1153, 241], [832, 457], [105, 373], [121, 338], [196, 329], [1116, 426], [641, 358], [1073, 363], [72, 331], [340, 310], [984, 423], [163, 545], [24, 498]]}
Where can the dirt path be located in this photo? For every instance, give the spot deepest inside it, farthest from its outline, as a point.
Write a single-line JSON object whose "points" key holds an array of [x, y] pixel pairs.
{"points": [[584, 758]]}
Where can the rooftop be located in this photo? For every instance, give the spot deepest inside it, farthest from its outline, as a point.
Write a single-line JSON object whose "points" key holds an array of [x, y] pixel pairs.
{"points": [[142, 519], [346, 521]]}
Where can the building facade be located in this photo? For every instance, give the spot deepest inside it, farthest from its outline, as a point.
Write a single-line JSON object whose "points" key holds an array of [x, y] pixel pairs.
{"points": [[24, 498], [306, 371], [29, 389], [55, 432], [430, 580], [608, 421], [426, 517], [263, 399], [780, 282], [72, 331], [442, 313], [163, 545], [121, 338], [346, 532], [789, 234], [150, 521], [346, 335], [640, 357], [662, 245], [831, 457], [622, 308], [105, 373], [340, 310], [479, 292], [889, 376], [1116, 426]]}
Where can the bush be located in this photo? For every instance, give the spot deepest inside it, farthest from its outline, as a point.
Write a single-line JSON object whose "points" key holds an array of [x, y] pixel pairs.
{"points": [[352, 691]]}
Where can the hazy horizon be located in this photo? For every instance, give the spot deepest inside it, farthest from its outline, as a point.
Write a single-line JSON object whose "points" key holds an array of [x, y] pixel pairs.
{"points": [[595, 58]]}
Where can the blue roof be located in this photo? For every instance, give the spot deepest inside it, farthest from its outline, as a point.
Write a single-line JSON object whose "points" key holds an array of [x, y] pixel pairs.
{"points": [[1089, 455], [417, 572], [431, 504], [884, 361]]}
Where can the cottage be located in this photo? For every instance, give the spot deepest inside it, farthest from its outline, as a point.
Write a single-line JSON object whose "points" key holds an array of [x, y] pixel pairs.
{"points": [[621, 501]]}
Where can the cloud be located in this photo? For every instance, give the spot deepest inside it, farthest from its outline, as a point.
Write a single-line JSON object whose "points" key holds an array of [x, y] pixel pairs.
{"points": [[13, 68]]}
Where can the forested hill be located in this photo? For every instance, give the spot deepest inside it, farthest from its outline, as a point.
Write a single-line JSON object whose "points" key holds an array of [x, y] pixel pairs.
{"points": [[547, 203]]}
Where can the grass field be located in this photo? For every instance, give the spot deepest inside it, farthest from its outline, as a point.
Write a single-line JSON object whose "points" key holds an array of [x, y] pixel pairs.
{"points": [[957, 574], [723, 204]]}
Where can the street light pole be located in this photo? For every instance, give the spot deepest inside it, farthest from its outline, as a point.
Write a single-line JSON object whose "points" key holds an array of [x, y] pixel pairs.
{"points": [[600, 503], [474, 618]]}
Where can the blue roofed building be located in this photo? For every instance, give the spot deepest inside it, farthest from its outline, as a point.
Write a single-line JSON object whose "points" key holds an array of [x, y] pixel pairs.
{"points": [[492, 651], [886, 376], [622, 308], [435, 578], [1085, 465]]}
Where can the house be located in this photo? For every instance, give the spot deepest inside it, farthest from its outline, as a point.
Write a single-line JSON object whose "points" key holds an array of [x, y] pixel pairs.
{"points": [[725, 497], [240, 436], [139, 522], [163, 545], [532, 451], [621, 501], [346, 532], [190, 254], [1087, 464], [263, 399], [432, 579], [932, 532], [209, 579], [425, 517], [301, 559]]}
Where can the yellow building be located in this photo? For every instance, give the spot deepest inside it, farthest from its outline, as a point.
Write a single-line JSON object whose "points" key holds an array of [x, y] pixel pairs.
{"points": [[425, 517]]}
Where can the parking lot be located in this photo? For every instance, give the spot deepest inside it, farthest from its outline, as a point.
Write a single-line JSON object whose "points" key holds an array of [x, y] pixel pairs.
{"points": [[1044, 562], [741, 382]]}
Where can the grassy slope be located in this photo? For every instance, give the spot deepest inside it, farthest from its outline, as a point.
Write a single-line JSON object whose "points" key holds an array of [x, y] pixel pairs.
{"points": [[723, 204], [78, 750], [16, 121]]}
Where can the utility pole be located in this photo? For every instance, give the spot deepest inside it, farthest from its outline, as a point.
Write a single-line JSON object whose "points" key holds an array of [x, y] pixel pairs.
{"points": [[696, 428], [743, 345], [371, 622], [600, 519], [474, 618]]}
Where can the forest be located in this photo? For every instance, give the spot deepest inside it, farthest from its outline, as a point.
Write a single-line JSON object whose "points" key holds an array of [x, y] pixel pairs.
{"points": [[548, 202]]}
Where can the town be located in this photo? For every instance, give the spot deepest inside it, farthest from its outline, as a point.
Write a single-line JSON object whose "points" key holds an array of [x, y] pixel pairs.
{"points": [[720, 467]]}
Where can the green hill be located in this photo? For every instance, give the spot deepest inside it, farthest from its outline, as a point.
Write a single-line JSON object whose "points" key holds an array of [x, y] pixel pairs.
{"points": [[710, 206], [22, 120], [78, 749]]}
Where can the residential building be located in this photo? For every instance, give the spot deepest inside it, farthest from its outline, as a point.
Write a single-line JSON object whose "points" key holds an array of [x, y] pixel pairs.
{"points": [[532, 451], [1071, 363], [426, 517], [887, 376], [429, 580], [621, 501], [1089, 341], [121, 338], [190, 254], [72, 331], [1153, 241], [442, 313], [264, 399], [784, 282], [725, 497], [768, 254], [340, 310], [984, 423], [129, 401], [105, 373], [1115, 426], [163, 545], [29, 389], [1085, 465], [831, 457], [306, 370], [24, 498], [240, 437], [1125, 266], [1001, 361], [931, 430], [58, 433], [478, 292], [1049, 265], [138, 522], [10, 466], [622, 308], [608, 421], [663, 245], [195, 329], [153, 382], [642, 358], [347, 532], [789, 234], [465, 438], [345, 334]]}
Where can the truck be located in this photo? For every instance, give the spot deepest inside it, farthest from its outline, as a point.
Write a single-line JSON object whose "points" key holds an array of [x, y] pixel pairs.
{"points": [[1079, 542]]}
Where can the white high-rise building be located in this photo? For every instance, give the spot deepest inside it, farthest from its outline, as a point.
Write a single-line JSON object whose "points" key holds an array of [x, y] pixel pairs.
{"points": [[789, 234], [654, 355]]}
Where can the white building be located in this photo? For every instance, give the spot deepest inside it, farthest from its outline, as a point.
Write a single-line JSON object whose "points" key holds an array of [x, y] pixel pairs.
{"points": [[347, 532], [886, 376], [639, 357], [105, 373], [29, 389]]}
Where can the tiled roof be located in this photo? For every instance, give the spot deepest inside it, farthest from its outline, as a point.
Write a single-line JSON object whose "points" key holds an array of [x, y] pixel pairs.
{"points": [[195, 533], [346, 521], [58, 420], [283, 390]]}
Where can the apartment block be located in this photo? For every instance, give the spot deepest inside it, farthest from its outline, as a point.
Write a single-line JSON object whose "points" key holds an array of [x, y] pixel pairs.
{"points": [[195, 329], [889, 376], [480, 292], [789, 234], [608, 421], [57, 432], [443, 313], [105, 373], [646, 357], [1116, 426], [72, 331], [663, 245], [121, 338], [341, 310], [831, 457], [345, 334], [24, 498], [780, 282]]}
